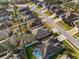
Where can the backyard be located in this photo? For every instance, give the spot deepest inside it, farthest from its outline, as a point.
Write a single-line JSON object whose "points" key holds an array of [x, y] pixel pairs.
{"points": [[64, 25], [29, 51]]}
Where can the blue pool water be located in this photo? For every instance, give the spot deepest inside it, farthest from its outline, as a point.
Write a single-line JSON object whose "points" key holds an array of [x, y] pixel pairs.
{"points": [[37, 53]]}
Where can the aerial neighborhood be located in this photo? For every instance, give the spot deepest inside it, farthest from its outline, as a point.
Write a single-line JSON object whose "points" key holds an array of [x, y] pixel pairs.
{"points": [[39, 29]]}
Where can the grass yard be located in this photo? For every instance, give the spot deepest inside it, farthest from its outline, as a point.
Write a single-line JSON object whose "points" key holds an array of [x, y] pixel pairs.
{"points": [[55, 17], [30, 3], [29, 52], [65, 25], [77, 35], [36, 14], [71, 49], [48, 13], [47, 25], [39, 7]]}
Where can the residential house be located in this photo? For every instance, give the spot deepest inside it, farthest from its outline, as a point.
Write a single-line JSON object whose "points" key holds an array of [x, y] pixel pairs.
{"points": [[5, 33], [48, 2], [35, 23], [60, 13], [70, 18], [54, 47], [54, 8], [27, 12], [40, 4], [4, 17], [76, 23], [23, 9], [3, 51], [43, 33], [35, 1], [3, 26]]}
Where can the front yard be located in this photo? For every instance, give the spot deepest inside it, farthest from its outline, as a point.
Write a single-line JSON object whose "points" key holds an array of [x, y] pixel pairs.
{"points": [[38, 7], [47, 25], [48, 13], [76, 35], [30, 3], [55, 17], [64, 25], [36, 14]]}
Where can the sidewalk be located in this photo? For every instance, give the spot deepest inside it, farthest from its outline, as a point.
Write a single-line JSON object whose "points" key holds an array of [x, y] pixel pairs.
{"points": [[61, 37], [63, 57], [53, 15], [55, 30], [57, 20], [73, 31], [44, 10]]}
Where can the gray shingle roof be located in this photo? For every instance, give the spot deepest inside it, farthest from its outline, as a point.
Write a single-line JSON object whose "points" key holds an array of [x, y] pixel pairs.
{"points": [[71, 17], [52, 50], [42, 33], [4, 33], [2, 49]]}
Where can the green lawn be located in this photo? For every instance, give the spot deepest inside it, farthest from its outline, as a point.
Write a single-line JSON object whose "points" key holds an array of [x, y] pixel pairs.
{"points": [[29, 52], [39, 7], [30, 3], [55, 17], [48, 13], [46, 25], [73, 6], [77, 35], [72, 50], [65, 25], [70, 5], [36, 14]]}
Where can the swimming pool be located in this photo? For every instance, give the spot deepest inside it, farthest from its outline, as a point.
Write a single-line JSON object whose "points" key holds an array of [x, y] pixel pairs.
{"points": [[37, 53]]}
